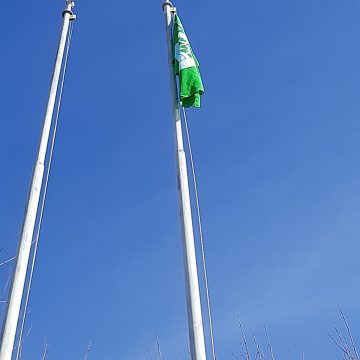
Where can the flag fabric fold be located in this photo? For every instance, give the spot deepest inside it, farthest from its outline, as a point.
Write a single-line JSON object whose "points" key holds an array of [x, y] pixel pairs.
{"points": [[186, 67]]}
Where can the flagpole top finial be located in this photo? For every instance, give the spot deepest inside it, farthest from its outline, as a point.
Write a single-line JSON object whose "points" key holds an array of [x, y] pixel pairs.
{"points": [[69, 6], [168, 3]]}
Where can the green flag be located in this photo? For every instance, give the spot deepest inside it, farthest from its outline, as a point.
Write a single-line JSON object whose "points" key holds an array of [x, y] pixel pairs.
{"points": [[186, 67]]}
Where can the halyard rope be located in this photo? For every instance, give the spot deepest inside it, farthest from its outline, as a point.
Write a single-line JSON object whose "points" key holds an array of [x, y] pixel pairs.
{"points": [[197, 202], [36, 242]]}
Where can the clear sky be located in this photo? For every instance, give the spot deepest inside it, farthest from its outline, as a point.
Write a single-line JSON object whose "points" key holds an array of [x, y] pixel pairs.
{"points": [[277, 149]]}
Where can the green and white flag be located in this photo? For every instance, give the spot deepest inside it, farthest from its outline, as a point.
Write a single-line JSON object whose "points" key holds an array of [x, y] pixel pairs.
{"points": [[186, 67]]}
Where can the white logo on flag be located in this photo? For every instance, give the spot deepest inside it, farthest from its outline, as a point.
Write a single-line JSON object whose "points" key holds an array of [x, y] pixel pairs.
{"points": [[183, 52]]}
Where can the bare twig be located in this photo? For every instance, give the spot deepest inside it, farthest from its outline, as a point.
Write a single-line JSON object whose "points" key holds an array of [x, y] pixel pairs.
{"points": [[87, 351], [344, 346], [269, 345], [336, 343], [259, 354], [7, 282], [7, 261], [46, 350], [236, 357], [246, 348], [158, 350], [349, 332]]}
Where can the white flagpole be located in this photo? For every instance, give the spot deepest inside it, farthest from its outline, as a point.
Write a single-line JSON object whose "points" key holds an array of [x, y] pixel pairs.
{"points": [[12, 312], [196, 331]]}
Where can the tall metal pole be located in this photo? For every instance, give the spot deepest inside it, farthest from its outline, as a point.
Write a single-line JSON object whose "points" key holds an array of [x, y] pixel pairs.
{"points": [[12, 312], [196, 331]]}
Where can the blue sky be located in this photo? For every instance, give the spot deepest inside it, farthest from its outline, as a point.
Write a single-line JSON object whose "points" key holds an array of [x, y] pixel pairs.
{"points": [[276, 145]]}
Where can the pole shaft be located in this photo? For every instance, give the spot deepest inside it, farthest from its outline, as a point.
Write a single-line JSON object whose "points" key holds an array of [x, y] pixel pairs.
{"points": [[196, 331], [12, 312]]}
